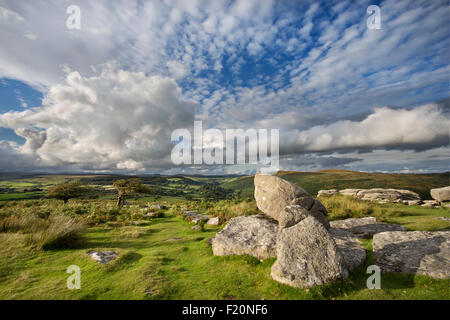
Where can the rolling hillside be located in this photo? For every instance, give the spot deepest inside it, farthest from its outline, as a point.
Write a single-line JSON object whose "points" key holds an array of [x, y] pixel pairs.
{"points": [[342, 179]]}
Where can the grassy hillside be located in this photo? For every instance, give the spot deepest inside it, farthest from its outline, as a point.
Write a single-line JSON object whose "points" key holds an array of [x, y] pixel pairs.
{"points": [[342, 179], [165, 257]]}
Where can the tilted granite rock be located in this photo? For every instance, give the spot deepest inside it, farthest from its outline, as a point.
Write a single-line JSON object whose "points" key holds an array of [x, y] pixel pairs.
{"points": [[307, 256], [350, 248], [273, 194], [441, 194], [252, 235], [415, 252], [365, 227], [286, 202], [330, 192]]}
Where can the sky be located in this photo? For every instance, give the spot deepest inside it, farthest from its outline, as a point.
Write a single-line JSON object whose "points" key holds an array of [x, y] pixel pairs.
{"points": [[106, 97]]}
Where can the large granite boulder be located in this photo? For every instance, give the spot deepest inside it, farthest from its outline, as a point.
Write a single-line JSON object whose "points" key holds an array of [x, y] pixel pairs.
{"points": [[273, 194], [307, 256], [252, 235], [365, 227], [441, 194], [415, 252]]}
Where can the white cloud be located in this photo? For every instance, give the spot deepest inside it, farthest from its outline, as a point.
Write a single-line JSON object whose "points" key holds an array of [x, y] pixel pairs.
{"points": [[417, 128], [114, 120]]}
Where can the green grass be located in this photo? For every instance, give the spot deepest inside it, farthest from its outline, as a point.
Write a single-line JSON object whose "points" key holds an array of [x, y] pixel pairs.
{"points": [[21, 195], [183, 268]]}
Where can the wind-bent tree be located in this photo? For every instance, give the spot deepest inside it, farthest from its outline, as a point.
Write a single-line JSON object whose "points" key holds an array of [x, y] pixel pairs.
{"points": [[127, 186], [65, 191]]}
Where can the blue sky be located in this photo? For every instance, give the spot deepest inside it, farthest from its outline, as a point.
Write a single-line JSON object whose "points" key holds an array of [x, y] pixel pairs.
{"points": [[106, 98]]}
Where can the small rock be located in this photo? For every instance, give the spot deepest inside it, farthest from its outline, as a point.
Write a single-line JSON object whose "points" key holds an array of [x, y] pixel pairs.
{"points": [[413, 202], [151, 292], [195, 217], [430, 203], [196, 228], [213, 221], [102, 257]]}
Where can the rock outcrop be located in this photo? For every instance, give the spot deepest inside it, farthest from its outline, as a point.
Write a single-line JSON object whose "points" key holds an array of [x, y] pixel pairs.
{"points": [[415, 252], [376, 194], [365, 227], [441, 194], [307, 256], [252, 235]]}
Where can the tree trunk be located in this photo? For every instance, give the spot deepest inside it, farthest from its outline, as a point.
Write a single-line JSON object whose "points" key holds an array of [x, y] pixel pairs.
{"points": [[120, 200]]}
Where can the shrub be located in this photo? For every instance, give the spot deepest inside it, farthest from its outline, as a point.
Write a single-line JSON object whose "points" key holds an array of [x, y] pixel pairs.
{"points": [[54, 231], [61, 232]]}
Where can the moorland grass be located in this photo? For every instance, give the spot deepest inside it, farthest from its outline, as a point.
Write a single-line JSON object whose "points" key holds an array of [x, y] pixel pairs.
{"points": [[163, 258]]}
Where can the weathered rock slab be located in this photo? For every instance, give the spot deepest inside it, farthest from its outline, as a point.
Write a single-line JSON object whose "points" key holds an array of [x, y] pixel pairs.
{"points": [[365, 227], [307, 256], [252, 235], [382, 195], [415, 252]]}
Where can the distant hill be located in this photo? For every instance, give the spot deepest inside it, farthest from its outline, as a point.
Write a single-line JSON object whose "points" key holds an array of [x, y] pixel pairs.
{"points": [[342, 179]]}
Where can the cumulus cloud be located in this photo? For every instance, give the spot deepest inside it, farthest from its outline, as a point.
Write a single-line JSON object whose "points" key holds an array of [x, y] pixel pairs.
{"points": [[420, 128], [115, 120]]}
